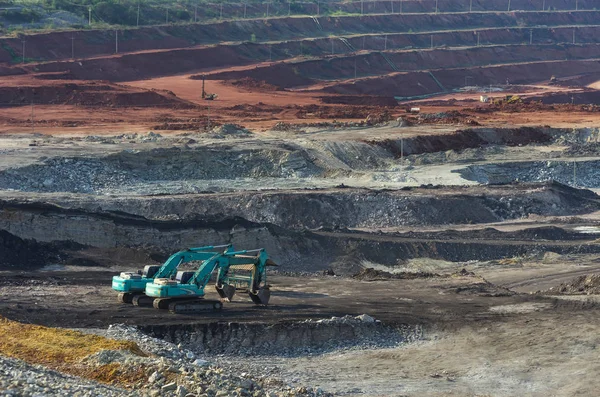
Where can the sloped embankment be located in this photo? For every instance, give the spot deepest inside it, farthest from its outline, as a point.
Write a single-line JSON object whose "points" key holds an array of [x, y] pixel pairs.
{"points": [[278, 222]]}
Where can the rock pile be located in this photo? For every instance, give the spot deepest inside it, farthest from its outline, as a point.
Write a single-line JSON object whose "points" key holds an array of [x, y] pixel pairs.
{"points": [[174, 370], [285, 339], [582, 285], [370, 274], [18, 378]]}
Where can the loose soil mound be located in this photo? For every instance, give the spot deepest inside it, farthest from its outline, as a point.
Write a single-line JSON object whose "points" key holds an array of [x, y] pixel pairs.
{"points": [[92, 94], [363, 100], [18, 253], [63, 350], [253, 84], [370, 274], [589, 97], [583, 285]]}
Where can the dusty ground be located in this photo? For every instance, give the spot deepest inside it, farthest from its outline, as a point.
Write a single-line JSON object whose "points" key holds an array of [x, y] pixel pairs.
{"points": [[477, 337]]}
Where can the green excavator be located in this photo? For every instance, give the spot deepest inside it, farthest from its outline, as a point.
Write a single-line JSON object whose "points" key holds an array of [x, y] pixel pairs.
{"points": [[236, 271], [131, 286]]}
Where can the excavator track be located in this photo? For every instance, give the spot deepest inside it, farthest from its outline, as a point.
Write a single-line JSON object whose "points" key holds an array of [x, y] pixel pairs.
{"points": [[162, 303], [125, 297], [261, 297], [194, 306], [142, 300]]}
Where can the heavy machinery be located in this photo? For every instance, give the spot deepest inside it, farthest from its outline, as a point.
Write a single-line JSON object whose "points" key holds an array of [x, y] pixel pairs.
{"points": [[205, 95], [132, 285], [237, 271]]}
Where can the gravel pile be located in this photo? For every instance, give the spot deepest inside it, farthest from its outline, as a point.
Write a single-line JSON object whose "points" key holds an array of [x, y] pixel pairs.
{"points": [[228, 131], [18, 378], [173, 370], [580, 173], [285, 339], [582, 285], [83, 175]]}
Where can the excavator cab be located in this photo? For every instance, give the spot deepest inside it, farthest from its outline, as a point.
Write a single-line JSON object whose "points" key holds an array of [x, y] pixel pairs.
{"points": [[183, 276], [149, 271]]}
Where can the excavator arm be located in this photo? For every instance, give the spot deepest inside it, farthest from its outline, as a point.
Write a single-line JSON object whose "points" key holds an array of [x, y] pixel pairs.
{"points": [[192, 254], [237, 270], [246, 271]]}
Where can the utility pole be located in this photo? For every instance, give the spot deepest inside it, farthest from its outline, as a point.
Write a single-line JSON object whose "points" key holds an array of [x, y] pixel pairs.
{"points": [[431, 41], [289, 8], [574, 173], [576, 5], [167, 16], [116, 41], [508, 5], [23, 50], [544, 5], [137, 22], [90, 15], [195, 13], [268, 9], [401, 154], [72, 47], [301, 48], [208, 117], [385, 43], [355, 68], [530, 36], [318, 8], [392, 3], [270, 52], [332, 46], [245, 5], [401, 1], [573, 36], [221, 12], [470, 5], [32, 117], [362, 6], [363, 47], [436, 6], [478, 39]]}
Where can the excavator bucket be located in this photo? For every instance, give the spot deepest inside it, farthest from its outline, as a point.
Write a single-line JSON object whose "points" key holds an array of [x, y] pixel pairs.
{"points": [[226, 292], [261, 297], [270, 262]]}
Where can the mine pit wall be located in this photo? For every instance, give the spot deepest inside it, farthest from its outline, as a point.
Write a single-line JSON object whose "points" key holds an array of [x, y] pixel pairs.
{"points": [[363, 252], [474, 138], [291, 75], [333, 209], [108, 225], [282, 339], [130, 66], [57, 45], [578, 173], [314, 159], [166, 237], [412, 84]]}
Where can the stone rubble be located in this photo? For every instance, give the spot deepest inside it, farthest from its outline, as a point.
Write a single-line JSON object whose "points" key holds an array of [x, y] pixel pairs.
{"points": [[18, 378], [174, 371]]}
